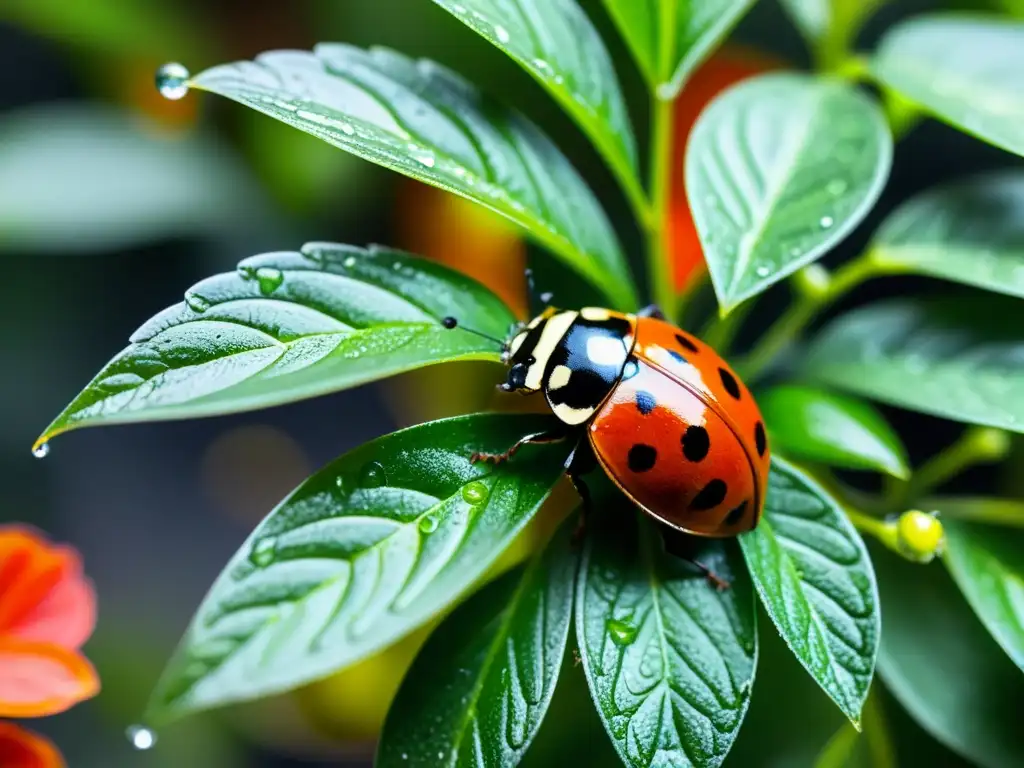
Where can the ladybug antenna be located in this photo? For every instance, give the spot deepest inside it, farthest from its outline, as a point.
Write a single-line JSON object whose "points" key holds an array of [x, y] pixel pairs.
{"points": [[543, 298], [450, 323]]}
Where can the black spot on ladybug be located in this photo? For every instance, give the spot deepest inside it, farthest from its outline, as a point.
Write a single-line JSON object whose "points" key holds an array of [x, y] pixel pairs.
{"points": [[696, 443], [645, 402], [710, 496], [730, 383], [642, 457], [630, 369], [677, 357], [686, 344], [737, 514], [760, 441]]}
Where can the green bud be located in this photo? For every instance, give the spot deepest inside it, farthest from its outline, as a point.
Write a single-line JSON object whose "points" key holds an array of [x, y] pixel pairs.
{"points": [[990, 444], [919, 536], [813, 281]]}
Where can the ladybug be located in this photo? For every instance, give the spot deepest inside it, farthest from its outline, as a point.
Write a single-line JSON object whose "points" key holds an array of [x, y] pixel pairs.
{"points": [[660, 411]]}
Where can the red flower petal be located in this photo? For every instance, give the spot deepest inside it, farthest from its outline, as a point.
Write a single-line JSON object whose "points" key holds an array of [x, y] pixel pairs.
{"points": [[38, 679], [43, 595], [23, 749]]}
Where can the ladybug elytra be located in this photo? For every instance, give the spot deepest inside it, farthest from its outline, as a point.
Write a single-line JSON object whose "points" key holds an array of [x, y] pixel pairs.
{"points": [[661, 412]]}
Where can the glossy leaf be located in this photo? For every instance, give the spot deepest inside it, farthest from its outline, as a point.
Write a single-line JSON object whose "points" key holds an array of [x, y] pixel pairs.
{"points": [[815, 580], [556, 43], [833, 429], [779, 169], [669, 658], [943, 667], [987, 564], [697, 27], [962, 69], [970, 232], [954, 358], [58, 195], [287, 326], [424, 121], [367, 549], [480, 687]]}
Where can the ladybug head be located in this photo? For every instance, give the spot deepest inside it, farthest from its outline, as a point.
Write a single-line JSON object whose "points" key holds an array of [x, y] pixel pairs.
{"points": [[527, 352]]}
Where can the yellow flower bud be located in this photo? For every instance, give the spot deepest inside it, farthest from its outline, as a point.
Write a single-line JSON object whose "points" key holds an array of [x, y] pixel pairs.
{"points": [[919, 536]]}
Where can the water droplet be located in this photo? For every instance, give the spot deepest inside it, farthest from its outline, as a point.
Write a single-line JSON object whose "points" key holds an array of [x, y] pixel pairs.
{"points": [[263, 551], [270, 279], [373, 475], [826, 222], [196, 302], [836, 187], [475, 493], [429, 523], [347, 129], [141, 737], [542, 65], [41, 451], [502, 34], [622, 632], [440, 755], [349, 262], [763, 271], [427, 160], [172, 81]]}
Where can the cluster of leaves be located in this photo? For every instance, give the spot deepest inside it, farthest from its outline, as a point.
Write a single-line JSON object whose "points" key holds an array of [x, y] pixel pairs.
{"points": [[778, 170]]}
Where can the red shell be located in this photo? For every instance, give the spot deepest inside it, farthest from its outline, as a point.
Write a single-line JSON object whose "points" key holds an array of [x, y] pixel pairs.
{"points": [[682, 435]]}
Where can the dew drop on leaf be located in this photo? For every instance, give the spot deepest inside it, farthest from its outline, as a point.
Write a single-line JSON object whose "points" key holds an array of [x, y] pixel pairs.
{"points": [[622, 632], [501, 33], [429, 523], [41, 451], [349, 262], [172, 81], [826, 222], [196, 302], [763, 271], [141, 737], [475, 493], [836, 187], [270, 279], [263, 551], [373, 475], [427, 160]]}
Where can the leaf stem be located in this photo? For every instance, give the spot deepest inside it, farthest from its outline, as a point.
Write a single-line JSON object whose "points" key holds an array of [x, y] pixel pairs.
{"points": [[978, 445], [802, 311], [659, 273]]}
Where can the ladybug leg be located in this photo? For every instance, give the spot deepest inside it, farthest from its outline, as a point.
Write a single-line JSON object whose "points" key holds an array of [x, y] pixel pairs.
{"points": [[552, 436], [682, 546], [651, 310], [581, 461]]}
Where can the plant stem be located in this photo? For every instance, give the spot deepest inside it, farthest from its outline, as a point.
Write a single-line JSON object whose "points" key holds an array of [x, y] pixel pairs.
{"points": [[1005, 512], [804, 309], [659, 272], [720, 331], [977, 446]]}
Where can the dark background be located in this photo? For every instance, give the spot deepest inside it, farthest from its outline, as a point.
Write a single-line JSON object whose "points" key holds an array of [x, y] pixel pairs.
{"points": [[157, 509]]}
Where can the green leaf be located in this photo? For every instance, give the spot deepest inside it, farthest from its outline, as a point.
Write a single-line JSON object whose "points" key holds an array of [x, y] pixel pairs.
{"points": [[58, 195], [815, 580], [668, 56], [424, 121], [963, 69], [849, 748], [556, 43], [987, 564], [779, 169], [837, 430], [480, 687], [287, 326], [943, 667], [970, 232], [670, 659], [957, 358], [836, 19], [364, 551]]}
